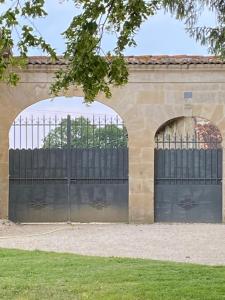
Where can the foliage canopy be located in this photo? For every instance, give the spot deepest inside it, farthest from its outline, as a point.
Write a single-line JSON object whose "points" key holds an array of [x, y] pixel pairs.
{"points": [[86, 134], [88, 66]]}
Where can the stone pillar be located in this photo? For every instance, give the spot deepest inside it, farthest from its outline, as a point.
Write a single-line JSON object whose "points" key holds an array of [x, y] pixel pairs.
{"points": [[4, 171], [141, 184]]}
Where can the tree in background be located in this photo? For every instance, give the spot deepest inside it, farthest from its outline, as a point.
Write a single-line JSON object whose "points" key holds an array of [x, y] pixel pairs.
{"points": [[85, 134], [88, 66]]}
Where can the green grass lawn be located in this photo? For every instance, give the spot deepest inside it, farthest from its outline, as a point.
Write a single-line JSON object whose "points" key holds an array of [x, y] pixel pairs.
{"points": [[43, 275]]}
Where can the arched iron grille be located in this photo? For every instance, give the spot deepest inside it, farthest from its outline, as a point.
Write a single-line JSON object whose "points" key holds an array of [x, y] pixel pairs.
{"points": [[188, 176]]}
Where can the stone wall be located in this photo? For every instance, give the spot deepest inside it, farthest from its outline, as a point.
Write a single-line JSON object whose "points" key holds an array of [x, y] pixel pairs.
{"points": [[154, 95]]}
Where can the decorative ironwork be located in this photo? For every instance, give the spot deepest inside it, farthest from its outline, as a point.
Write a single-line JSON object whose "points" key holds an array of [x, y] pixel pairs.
{"points": [[187, 203], [167, 141], [38, 203], [52, 132], [99, 203]]}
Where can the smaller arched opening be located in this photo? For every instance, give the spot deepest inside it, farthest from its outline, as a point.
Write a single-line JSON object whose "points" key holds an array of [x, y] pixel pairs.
{"points": [[68, 162], [188, 171]]}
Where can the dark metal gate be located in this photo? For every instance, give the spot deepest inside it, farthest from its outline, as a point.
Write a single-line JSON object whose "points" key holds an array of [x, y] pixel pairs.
{"points": [[188, 176], [77, 171]]}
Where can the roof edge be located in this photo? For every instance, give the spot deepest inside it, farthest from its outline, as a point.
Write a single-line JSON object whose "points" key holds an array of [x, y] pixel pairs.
{"points": [[141, 60]]}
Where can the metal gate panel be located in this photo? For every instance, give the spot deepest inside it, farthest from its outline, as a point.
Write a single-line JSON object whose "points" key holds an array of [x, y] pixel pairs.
{"points": [[95, 190], [38, 202], [192, 203], [99, 185], [99, 202], [64, 182], [188, 183]]}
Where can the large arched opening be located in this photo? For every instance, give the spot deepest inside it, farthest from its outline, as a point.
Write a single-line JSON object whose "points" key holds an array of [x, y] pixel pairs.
{"points": [[68, 162], [188, 171]]}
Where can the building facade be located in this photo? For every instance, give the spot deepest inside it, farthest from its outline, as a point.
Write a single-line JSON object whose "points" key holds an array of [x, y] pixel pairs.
{"points": [[159, 89]]}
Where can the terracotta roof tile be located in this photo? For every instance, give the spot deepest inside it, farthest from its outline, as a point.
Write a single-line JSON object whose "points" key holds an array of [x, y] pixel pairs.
{"points": [[45, 60], [142, 60]]}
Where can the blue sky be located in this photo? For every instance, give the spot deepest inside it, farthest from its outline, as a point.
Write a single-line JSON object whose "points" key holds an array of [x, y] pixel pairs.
{"points": [[161, 34]]}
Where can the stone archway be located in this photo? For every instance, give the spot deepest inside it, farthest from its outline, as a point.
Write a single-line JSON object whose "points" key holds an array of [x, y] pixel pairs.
{"points": [[156, 92], [68, 167]]}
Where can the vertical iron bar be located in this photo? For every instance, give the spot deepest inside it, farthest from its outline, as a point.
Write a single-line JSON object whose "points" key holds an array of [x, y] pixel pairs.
{"points": [[105, 132], [205, 150], [157, 142], [55, 143], [217, 179], [124, 155], [117, 145], [25, 156], [193, 159], [211, 158], [49, 132], [14, 134], [49, 147], [32, 132], [100, 148], [20, 172], [87, 127], [170, 160], [88, 151], [38, 124], [55, 146], [32, 148], [109, 132], [182, 169], [117, 133], [94, 150], [26, 132], [61, 133], [82, 146], [195, 137], [45, 146], [163, 158], [125, 138], [199, 156], [62, 146], [38, 161], [93, 131], [106, 162], [111, 142], [20, 132], [44, 132], [187, 160], [99, 130], [81, 132], [75, 156], [68, 165], [175, 159]]}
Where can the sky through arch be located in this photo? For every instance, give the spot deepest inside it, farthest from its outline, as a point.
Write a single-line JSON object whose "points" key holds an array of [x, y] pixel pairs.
{"points": [[34, 123]]}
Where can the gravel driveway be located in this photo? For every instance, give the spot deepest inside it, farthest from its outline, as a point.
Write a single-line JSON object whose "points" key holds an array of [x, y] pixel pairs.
{"points": [[195, 243]]}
